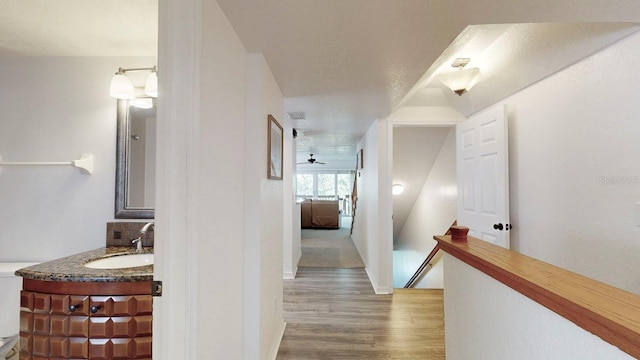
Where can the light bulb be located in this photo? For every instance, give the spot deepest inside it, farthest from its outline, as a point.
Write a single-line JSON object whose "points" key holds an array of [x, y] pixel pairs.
{"points": [[461, 81], [142, 103], [397, 189], [122, 87], [151, 86]]}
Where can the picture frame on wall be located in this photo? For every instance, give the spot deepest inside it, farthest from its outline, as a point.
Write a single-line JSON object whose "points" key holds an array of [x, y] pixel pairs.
{"points": [[360, 159], [274, 148]]}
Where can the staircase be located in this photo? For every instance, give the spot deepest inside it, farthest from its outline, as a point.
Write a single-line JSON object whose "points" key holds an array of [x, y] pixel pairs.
{"points": [[425, 266]]}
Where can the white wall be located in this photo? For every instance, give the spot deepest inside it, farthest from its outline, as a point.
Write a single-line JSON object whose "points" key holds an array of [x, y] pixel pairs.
{"points": [[432, 214], [55, 109], [219, 220], [264, 225], [574, 169], [292, 248], [372, 236], [220, 209], [488, 320], [574, 189]]}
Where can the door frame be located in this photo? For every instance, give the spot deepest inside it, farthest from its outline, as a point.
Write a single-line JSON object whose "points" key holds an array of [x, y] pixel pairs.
{"points": [[386, 258]]}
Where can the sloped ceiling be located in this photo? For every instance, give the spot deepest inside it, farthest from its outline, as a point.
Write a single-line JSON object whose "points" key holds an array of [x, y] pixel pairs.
{"points": [[510, 58], [347, 63]]}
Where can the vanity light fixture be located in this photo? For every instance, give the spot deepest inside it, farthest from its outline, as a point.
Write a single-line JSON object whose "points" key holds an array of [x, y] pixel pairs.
{"points": [[142, 103], [151, 86], [122, 87], [462, 80]]}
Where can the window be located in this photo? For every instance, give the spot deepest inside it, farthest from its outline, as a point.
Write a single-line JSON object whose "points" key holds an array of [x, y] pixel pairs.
{"points": [[326, 185], [344, 185], [304, 185]]}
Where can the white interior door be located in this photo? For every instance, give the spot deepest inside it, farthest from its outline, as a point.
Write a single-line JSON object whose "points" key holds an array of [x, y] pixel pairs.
{"points": [[483, 175]]}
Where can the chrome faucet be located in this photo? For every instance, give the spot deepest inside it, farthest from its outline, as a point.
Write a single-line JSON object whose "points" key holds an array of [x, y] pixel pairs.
{"points": [[146, 227], [138, 242], [143, 231]]}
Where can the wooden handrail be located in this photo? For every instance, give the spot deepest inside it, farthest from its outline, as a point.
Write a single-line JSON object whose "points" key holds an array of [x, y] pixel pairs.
{"points": [[424, 264], [606, 311], [426, 261]]}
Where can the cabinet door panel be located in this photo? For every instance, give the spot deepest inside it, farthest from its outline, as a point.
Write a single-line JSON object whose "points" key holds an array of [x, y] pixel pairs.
{"points": [[122, 348], [81, 303], [40, 345], [26, 300], [144, 304], [100, 349], [142, 347], [144, 325], [41, 303], [100, 327], [59, 325], [79, 326], [78, 348], [59, 304], [41, 324], [26, 322], [59, 347], [121, 327]]}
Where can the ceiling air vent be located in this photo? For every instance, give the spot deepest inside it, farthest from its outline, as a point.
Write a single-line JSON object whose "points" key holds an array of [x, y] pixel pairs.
{"points": [[296, 115]]}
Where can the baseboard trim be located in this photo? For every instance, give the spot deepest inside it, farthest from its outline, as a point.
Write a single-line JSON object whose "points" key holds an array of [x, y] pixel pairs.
{"points": [[376, 288], [274, 355], [290, 275]]}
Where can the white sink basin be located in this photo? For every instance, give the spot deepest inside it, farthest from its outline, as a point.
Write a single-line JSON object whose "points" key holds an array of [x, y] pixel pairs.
{"points": [[121, 261]]}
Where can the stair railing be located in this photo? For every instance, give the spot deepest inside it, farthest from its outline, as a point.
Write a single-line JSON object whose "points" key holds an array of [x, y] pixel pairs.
{"points": [[426, 262]]}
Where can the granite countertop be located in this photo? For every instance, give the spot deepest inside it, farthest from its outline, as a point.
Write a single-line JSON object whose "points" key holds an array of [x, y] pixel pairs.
{"points": [[71, 268]]}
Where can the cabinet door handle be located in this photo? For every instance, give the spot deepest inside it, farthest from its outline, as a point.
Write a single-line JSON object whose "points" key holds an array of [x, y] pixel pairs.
{"points": [[498, 226], [94, 309], [73, 308]]}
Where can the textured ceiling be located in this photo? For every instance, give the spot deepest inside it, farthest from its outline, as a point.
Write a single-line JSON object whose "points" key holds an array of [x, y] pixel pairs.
{"points": [[347, 63], [78, 27]]}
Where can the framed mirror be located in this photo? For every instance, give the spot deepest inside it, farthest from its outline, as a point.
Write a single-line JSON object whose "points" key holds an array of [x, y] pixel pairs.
{"points": [[135, 160]]}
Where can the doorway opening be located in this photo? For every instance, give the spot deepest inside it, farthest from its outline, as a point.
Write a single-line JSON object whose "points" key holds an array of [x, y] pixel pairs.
{"points": [[424, 164]]}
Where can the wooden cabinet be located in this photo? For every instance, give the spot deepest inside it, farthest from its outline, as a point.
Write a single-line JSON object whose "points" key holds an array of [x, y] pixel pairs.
{"points": [[71, 326]]}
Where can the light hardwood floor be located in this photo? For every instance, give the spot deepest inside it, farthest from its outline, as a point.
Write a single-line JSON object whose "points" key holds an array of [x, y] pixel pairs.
{"points": [[335, 314]]}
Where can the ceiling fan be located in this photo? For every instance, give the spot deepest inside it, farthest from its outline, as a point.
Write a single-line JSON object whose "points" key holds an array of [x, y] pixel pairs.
{"points": [[311, 161]]}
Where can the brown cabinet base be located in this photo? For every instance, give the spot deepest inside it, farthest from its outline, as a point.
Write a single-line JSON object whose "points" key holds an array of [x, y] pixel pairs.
{"points": [[63, 326]]}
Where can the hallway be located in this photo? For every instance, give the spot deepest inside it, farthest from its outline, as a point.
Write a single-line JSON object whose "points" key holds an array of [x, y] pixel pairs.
{"points": [[333, 313]]}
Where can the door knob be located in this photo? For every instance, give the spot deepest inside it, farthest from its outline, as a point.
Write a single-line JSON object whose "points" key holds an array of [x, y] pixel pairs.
{"points": [[499, 226]]}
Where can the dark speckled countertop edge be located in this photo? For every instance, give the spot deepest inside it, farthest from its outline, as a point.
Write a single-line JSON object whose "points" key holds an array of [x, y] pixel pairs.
{"points": [[71, 268]]}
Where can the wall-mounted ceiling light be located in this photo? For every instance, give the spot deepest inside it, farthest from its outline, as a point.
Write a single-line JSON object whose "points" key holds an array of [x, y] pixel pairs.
{"points": [[122, 87], [397, 189], [462, 80]]}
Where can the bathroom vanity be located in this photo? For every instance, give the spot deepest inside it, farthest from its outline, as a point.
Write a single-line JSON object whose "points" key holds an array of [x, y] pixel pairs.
{"points": [[71, 311]]}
